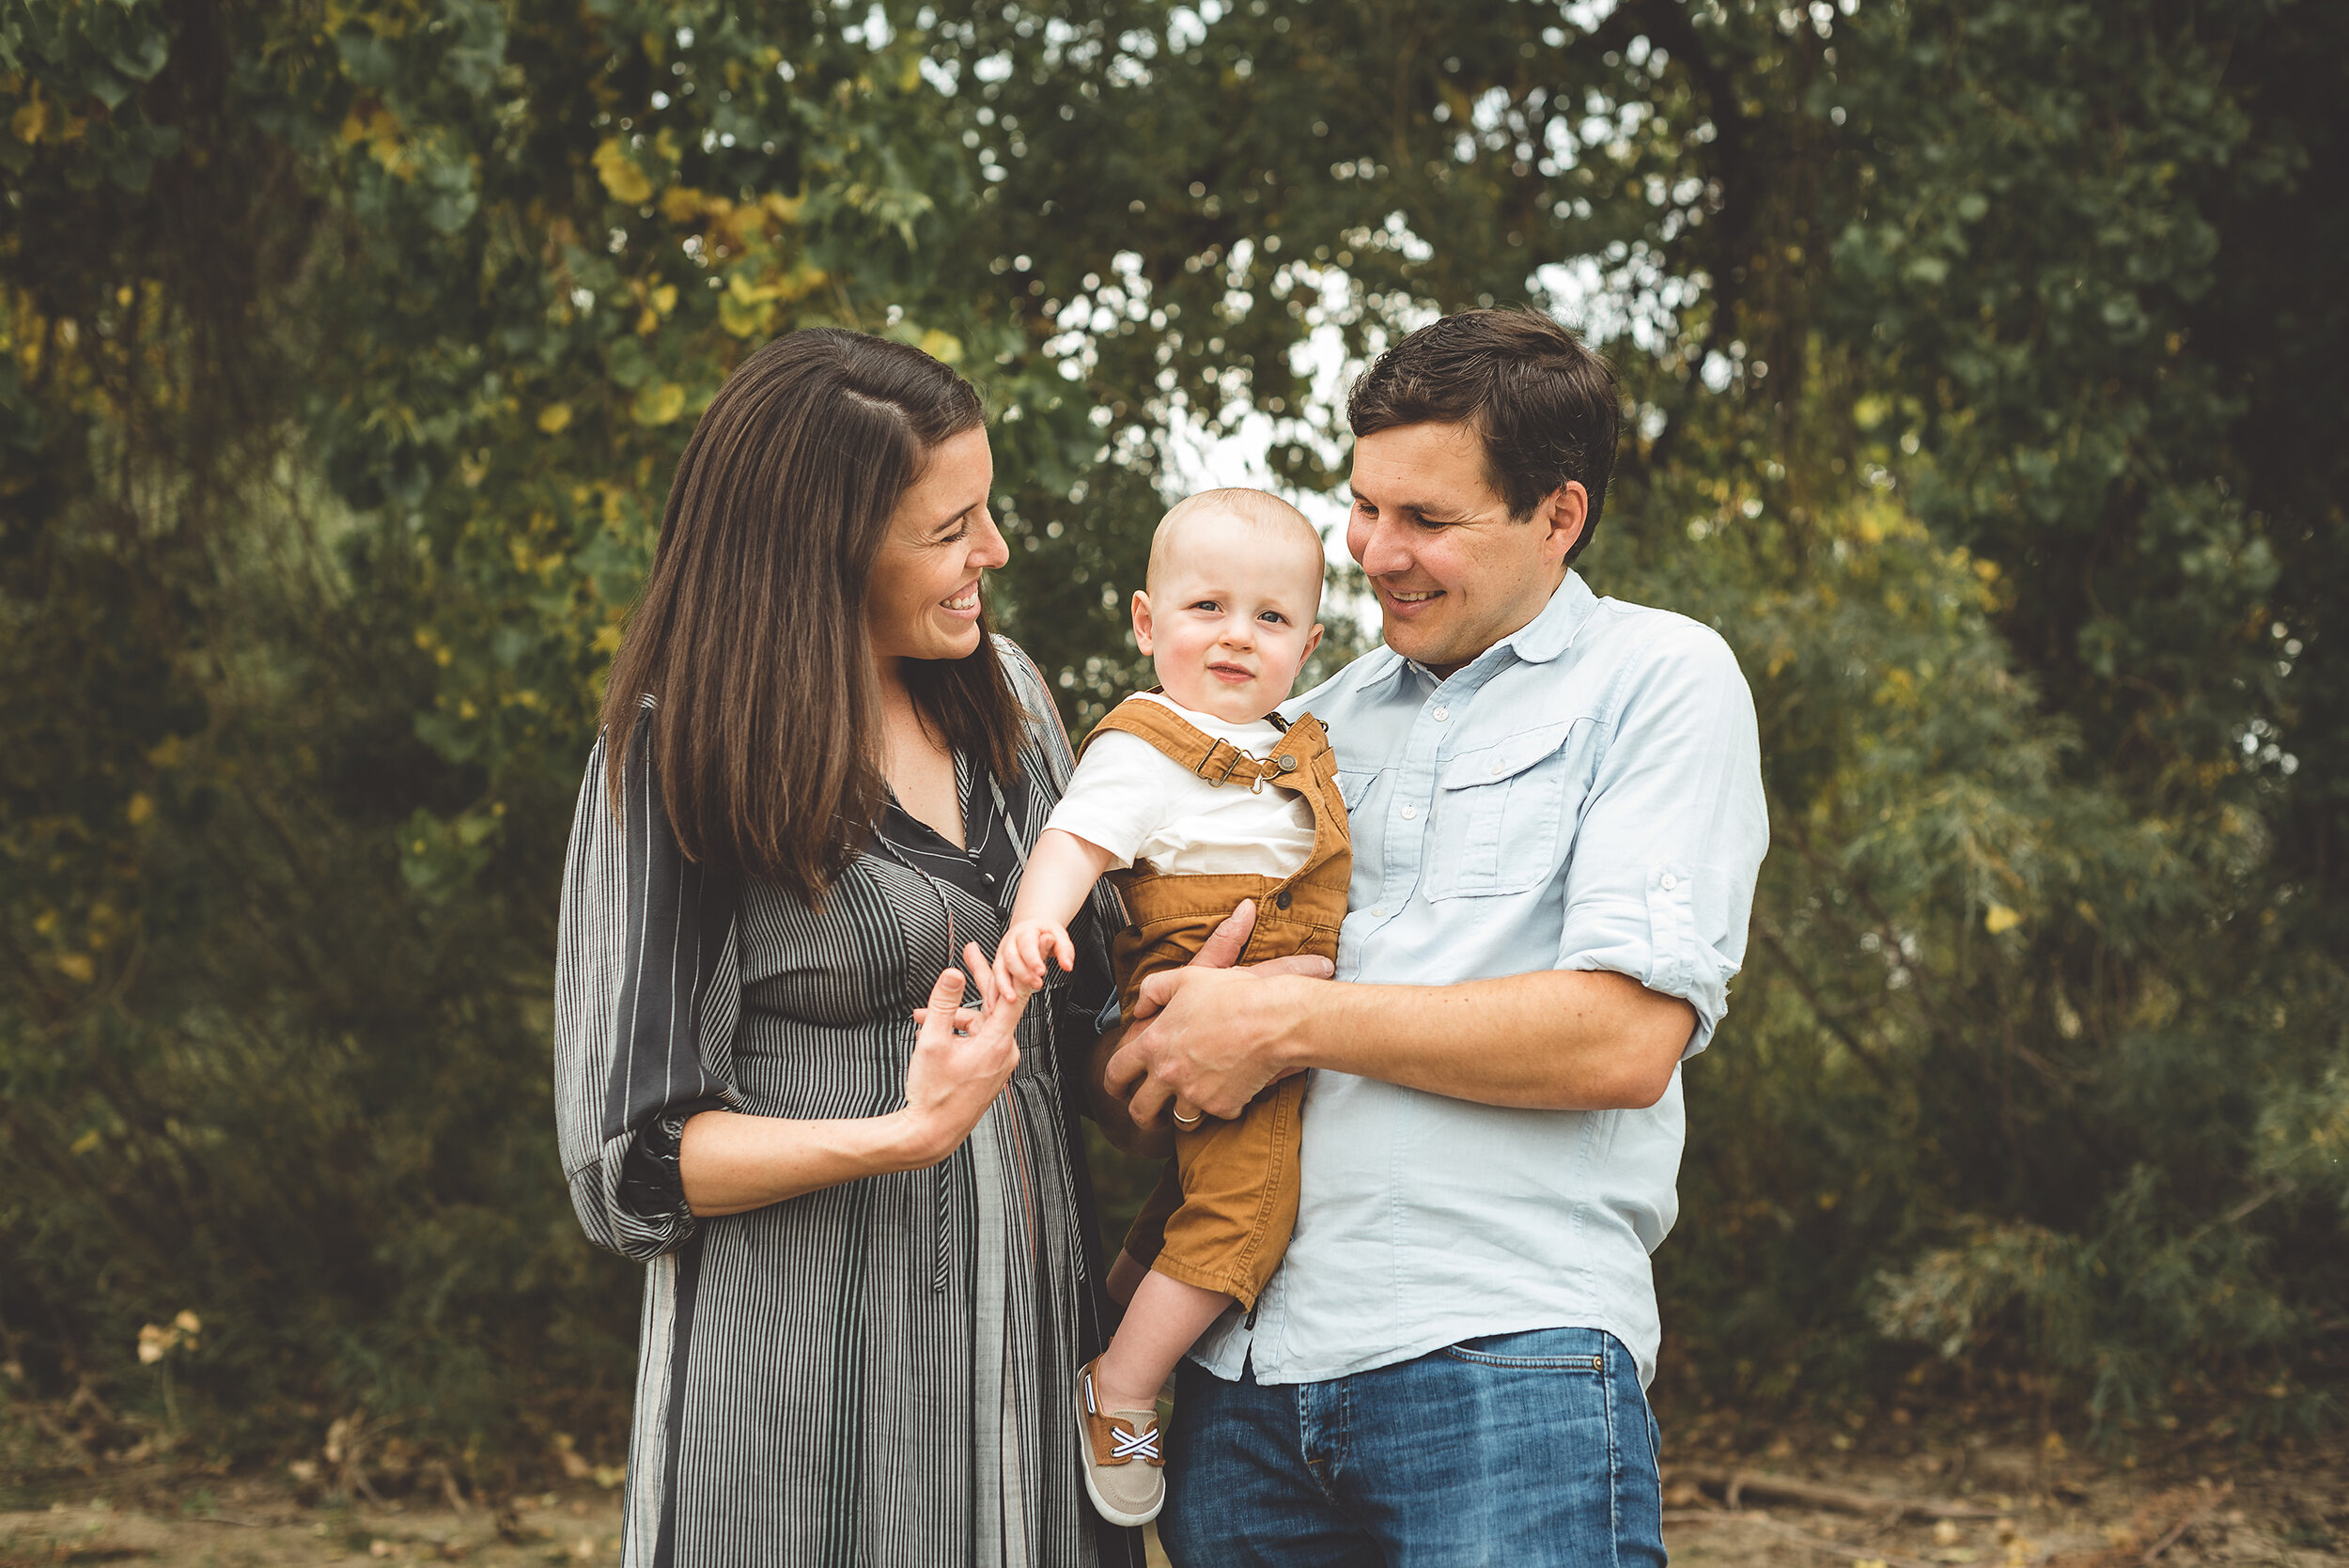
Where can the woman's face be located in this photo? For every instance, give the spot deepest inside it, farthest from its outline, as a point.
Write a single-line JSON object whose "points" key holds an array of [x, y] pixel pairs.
{"points": [[923, 601]]}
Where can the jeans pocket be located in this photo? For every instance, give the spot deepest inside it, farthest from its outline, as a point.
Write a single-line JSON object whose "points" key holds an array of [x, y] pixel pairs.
{"points": [[1568, 1350]]}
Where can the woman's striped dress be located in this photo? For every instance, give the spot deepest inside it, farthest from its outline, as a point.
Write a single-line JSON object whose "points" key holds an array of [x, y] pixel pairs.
{"points": [[877, 1373]]}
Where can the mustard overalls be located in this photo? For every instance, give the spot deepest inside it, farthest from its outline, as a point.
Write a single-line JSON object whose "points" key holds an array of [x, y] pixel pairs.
{"points": [[1221, 1214]]}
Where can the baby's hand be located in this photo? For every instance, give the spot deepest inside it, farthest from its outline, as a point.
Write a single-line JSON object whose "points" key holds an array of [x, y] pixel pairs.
{"points": [[1019, 962]]}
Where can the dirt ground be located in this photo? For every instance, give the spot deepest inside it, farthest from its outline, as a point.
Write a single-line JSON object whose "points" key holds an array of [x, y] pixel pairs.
{"points": [[1791, 1504]]}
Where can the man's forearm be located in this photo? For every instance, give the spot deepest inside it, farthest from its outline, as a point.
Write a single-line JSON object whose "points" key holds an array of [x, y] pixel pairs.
{"points": [[1556, 1039]]}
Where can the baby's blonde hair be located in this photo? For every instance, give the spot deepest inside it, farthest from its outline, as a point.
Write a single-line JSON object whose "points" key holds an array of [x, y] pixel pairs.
{"points": [[1261, 510]]}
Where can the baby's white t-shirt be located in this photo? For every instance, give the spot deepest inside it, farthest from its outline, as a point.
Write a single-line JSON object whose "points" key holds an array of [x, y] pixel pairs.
{"points": [[1132, 800]]}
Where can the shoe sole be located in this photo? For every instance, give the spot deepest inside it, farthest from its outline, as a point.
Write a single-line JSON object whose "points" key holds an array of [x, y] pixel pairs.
{"points": [[1101, 1505]]}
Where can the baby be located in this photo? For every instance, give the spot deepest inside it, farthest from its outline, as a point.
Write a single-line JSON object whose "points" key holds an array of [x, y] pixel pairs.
{"points": [[1194, 798]]}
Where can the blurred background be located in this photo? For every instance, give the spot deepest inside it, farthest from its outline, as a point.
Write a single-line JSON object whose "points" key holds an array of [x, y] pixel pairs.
{"points": [[1985, 366]]}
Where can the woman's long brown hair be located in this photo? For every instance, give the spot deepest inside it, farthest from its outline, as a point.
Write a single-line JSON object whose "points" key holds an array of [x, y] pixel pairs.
{"points": [[751, 634]]}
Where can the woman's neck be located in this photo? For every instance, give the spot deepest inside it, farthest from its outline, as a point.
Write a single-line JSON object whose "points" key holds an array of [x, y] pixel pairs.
{"points": [[889, 672], [916, 762]]}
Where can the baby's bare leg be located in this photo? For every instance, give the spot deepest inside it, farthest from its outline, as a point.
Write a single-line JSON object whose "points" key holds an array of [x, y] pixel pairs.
{"points": [[1166, 1318], [1126, 1277]]}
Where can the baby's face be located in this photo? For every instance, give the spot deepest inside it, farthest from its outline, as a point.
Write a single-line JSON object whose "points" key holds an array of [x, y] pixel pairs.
{"points": [[1229, 617]]}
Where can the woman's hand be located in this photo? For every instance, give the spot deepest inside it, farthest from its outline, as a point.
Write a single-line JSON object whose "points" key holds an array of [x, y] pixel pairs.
{"points": [[731, 1162], [960, 1062]]}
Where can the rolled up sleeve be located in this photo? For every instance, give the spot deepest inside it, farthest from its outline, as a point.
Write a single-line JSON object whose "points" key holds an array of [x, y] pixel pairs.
{"points": [[647, 994], [1660, 883]]}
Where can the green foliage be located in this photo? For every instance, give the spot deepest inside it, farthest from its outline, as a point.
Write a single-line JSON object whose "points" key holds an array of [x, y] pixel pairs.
{"points": [[1982, 378]]}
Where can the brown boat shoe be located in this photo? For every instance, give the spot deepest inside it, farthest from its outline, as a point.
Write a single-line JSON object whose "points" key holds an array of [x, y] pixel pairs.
{"points": [[1125, 1457]]}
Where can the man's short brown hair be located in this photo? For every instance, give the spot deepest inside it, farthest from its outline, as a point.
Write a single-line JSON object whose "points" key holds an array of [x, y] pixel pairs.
{"points": [[1543, 404]]}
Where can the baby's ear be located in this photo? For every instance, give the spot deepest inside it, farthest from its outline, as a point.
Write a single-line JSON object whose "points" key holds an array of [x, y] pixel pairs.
{"points": [[1142, 620], [1313, 638]]}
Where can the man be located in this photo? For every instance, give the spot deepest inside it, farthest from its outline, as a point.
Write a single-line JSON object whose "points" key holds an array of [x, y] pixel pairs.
{"points": [[1557, 812]]}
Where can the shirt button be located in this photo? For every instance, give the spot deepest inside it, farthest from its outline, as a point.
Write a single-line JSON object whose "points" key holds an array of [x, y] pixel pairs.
{"points": [[1379, 913], [1441, 715], [1409, 810], [1670, 882], [1497, 768]]}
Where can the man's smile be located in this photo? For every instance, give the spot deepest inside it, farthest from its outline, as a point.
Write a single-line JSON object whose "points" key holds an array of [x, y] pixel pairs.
{"points": [[1406, 601]]}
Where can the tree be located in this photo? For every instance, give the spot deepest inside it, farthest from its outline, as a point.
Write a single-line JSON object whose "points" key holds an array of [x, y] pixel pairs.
{"points": [[1975, 383]]}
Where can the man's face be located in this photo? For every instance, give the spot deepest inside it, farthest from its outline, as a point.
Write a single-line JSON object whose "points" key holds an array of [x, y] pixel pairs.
{"points": [[1454, 574]]}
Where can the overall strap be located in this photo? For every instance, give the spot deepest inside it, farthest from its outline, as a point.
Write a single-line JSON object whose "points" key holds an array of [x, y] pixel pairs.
{"points": [[1217, 761]]}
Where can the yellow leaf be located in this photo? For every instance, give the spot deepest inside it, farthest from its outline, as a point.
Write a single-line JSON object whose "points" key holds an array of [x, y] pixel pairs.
{"points": [[681, 203], [85, 1143], [621, 175], [744, 321], [555, 418], [664, 298], [1999, 917], [740, 287], [139, 809], [941, 345], [188, 1323], [607, 639], [30, 121], [77, 965], [659, 403]]}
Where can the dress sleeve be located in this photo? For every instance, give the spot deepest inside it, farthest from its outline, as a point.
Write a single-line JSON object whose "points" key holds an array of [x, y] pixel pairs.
{"points": [[645, 1004]]}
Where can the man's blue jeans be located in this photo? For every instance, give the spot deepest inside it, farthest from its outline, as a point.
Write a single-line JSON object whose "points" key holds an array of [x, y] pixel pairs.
{"points": [[1533, 1450]]}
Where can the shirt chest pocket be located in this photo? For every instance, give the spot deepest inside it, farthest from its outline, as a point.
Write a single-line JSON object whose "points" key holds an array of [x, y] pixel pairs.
{"points": [[1501, 814]]}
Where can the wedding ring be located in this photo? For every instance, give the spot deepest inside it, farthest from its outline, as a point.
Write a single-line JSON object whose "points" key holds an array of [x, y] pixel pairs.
{"points": [[1182, 1121]]}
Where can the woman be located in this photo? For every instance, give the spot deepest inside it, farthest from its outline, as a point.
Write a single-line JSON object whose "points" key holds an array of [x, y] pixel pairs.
{"points": [[816, 782]]}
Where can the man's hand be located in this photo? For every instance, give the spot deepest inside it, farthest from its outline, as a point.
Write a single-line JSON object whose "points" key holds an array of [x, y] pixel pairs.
{"points": [[1210, 1039], [1154, 1137], [1205, 1032]]}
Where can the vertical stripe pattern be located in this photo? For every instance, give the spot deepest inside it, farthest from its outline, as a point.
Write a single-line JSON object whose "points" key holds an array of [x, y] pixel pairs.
{"points": [[876, 1374]]}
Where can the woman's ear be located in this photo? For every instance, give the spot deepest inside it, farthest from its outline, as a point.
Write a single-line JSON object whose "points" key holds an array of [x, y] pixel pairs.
{"points": [[1141, 621]]}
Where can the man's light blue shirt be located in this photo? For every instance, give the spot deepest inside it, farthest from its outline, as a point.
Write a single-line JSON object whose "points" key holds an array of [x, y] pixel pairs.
{"points": [[1585, 795]]}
